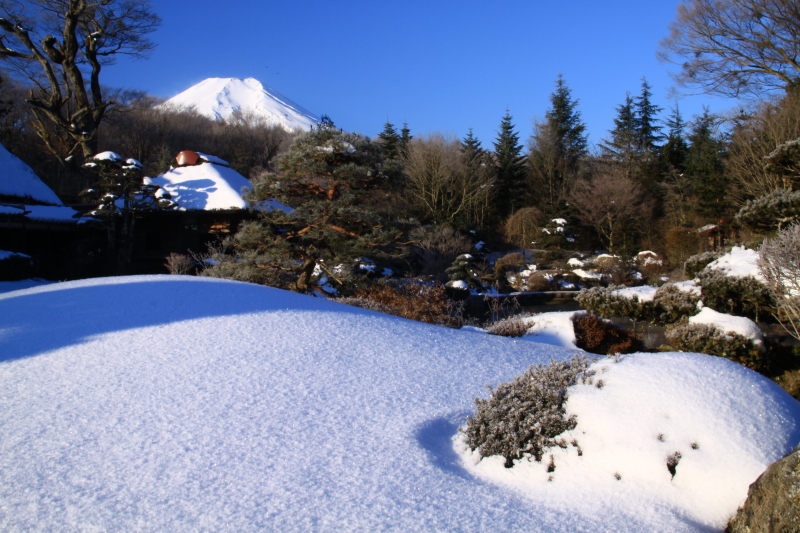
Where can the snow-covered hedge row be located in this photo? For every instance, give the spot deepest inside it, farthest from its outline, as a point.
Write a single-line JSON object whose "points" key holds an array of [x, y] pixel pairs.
{"points": [[665, 305]]}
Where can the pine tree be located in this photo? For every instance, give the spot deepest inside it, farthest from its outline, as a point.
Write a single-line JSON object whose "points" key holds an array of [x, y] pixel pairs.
{"points": [[648, 130], [327, 177], [622, 150], [672, 155], [557, 147], [390, 141], [122, 195], [405, 138], [509, 168], [705, 168], [472, 149]]}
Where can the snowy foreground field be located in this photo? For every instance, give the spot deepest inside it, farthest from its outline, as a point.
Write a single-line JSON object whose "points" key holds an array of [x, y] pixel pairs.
{"points": [[167, 403]]}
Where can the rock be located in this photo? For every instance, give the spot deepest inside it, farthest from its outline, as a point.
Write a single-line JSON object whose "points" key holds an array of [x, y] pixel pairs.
{"points": [[773, 501]]}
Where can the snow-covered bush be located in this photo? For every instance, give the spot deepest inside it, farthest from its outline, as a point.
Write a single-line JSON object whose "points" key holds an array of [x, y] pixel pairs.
{"points": [[463, 274], [735, 295], [607, 302], [671, 304], [709, 339], [14, 266], [524, 417], [772, 211], [665, 305], [600, 337], [698, 262]]}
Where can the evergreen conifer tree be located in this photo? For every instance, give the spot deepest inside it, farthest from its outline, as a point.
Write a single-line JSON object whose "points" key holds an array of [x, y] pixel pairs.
{"points": [[672, 154], [510, 169], [327, 177], [121, 195], [405, 138], [472, 149], [557, 147], [622, 149], [705, 168], [390, 141], [647, 127]]}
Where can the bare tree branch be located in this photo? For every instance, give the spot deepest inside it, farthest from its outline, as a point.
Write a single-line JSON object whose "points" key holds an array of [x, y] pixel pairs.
{"points": [[735, 47], [60, 47]]}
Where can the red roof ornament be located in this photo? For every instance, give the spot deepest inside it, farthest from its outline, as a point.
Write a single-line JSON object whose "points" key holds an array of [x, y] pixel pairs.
{"points": [[187, 157]]}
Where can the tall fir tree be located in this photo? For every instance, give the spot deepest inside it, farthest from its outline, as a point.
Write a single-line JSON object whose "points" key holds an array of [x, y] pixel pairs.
{"points": [[557, 147], [509, 169], [472, 150], [405, 138], [672, 155], [390, 141], [622, 150], [646, 113], [705, 167]]}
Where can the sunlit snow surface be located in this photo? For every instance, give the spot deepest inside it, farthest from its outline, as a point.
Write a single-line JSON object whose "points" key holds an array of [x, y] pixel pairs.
{"points": [[188, 404], [18, 179]]}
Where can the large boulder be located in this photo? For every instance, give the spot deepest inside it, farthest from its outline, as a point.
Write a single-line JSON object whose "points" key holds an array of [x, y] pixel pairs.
{"points": [[773, 501]]}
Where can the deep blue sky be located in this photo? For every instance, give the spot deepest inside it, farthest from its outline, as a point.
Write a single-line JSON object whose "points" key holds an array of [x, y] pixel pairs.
{"points": [[439, 65]]}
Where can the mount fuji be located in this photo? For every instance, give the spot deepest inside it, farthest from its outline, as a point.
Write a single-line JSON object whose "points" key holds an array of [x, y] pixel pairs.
{"points": [[231, 98]]}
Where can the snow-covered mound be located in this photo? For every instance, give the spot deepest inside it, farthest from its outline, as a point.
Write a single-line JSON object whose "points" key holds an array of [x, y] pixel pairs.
{"points": [[167, 403], [209, 185], [227, 98], [672, 430], [739, 262], [18, 179]]}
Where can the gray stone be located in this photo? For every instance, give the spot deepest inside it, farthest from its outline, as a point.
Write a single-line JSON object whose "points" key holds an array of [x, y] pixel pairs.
{"points": [[773, 501]]}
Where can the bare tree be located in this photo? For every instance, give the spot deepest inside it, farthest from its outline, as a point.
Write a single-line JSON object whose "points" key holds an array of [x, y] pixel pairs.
{"points": [[608, 203], [733, 47], [445, 188], [61, 46], [779, 262], [754, 138]]}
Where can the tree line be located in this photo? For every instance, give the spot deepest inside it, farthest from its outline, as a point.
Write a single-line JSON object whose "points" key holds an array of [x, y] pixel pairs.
{"points": [[651, 183]]}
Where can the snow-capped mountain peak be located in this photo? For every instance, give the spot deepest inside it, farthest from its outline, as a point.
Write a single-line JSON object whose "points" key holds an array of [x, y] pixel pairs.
{"points": [[232, 98]]}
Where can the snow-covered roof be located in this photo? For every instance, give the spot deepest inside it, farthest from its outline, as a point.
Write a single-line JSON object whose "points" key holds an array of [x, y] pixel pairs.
{"points": [[18, 180], [223, 98], [42, 213], [205, 186], [248, 408]]}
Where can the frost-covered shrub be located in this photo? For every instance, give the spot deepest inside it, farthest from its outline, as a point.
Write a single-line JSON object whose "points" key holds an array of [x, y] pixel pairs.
{"points": [[524, 417], [705, 338], [734, 295], [179, 264], [603, 301], [423, 303], [514, 326], [698, 262], [671, 304], [600, 337], [779, 264]]}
